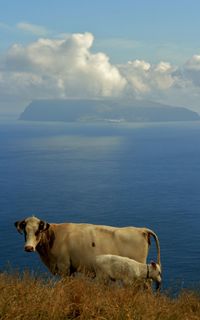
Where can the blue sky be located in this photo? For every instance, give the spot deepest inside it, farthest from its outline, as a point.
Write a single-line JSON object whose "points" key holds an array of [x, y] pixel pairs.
{"points": [[143, 24], [147, 49]]}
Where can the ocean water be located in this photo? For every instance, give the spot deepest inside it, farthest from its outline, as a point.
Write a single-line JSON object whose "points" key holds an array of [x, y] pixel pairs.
{"points": [[104, 173]]}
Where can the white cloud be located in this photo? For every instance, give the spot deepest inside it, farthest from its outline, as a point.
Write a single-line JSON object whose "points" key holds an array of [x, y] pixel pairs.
{"points": [[32, 28], [191, 70], [193, 63], [163, 67], [145, 80], [139, 65], [67, 67]]}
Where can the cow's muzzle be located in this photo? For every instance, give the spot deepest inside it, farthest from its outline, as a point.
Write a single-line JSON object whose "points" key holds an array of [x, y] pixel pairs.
{"points": [[29, 249]]}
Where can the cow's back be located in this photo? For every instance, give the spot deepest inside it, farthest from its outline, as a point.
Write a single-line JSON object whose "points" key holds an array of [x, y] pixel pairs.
{"points": [[85, 241]]}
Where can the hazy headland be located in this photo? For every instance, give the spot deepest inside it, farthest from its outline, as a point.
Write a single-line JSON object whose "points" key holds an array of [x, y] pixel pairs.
{"points": [[70, 110]]}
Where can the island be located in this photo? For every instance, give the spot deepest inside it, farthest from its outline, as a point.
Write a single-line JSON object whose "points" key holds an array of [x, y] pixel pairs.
{"points": [[70, 110]]}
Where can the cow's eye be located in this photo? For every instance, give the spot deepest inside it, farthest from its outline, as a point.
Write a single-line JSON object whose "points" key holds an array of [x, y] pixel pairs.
{"points": [[37, 232], [41, 225]]}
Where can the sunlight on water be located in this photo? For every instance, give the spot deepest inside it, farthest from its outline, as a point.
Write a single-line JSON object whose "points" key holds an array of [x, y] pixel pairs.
{"points": [[79, 142]]}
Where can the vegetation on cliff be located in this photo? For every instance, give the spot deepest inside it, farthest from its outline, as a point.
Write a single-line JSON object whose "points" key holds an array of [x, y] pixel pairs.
{"points": [[32, 298]]}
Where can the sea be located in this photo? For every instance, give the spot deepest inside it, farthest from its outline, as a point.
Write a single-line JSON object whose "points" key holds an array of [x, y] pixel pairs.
{"points": [[110, 173]]}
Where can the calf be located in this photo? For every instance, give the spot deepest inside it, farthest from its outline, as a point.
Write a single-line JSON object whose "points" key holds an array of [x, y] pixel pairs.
{"points": [[108, 266]]}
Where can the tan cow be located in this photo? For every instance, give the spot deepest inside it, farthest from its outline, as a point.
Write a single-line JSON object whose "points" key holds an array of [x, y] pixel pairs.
{"points": [[68, 247]]}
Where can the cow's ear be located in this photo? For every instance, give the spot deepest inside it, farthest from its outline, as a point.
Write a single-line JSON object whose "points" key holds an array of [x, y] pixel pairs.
{"points": [[43, 226], [154, 265], [20, 225]]}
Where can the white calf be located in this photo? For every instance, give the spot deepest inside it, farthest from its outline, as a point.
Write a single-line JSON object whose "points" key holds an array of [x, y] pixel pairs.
{"points": [[108, 266]]}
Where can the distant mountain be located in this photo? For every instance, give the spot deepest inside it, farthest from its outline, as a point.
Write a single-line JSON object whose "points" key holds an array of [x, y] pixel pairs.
{"points": [[71, 110]]}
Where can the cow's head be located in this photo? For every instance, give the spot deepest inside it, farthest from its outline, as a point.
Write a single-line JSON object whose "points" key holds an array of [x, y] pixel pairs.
{"points": [[32, 228], [155, 274]]}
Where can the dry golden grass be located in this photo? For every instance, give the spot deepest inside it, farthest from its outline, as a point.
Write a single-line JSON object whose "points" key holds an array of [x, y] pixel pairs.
{"points": [[25, 297]]}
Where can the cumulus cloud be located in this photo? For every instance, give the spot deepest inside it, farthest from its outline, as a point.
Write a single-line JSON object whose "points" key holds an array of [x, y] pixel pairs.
{"points": [[66, 67], [164, 82], [191, 70], [193, 63], [144, 78]]}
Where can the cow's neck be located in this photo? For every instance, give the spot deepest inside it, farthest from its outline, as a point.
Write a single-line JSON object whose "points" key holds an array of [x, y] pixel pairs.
{"points": [[46, 242], [44, 250]]}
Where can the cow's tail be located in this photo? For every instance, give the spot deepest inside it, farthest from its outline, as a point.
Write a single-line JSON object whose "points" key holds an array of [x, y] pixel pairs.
{"points": [[151, 233]]}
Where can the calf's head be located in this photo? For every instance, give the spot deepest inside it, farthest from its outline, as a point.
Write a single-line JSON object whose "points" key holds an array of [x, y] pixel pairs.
{"points": [[32, 228], [155, 274]]}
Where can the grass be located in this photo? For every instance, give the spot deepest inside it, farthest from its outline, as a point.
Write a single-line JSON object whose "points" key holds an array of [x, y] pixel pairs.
{"points": [[26, 297]]}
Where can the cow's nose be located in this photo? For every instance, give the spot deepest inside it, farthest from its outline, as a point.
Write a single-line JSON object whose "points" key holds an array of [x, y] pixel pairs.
{"points": [[29, 249]]}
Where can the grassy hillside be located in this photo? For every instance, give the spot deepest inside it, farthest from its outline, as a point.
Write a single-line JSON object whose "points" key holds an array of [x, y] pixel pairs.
{"points": [[25, 297]]}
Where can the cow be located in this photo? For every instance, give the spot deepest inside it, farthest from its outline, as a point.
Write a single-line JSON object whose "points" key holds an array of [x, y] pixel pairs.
{"points": [[113, 267], [67, 248]]}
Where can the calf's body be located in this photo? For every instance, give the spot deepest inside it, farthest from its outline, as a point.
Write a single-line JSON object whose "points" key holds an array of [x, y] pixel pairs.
{"points": [[127, 270]]}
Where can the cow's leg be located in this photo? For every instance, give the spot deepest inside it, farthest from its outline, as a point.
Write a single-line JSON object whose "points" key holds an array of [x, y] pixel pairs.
{"points": [[63, 267], [72, 270]]}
